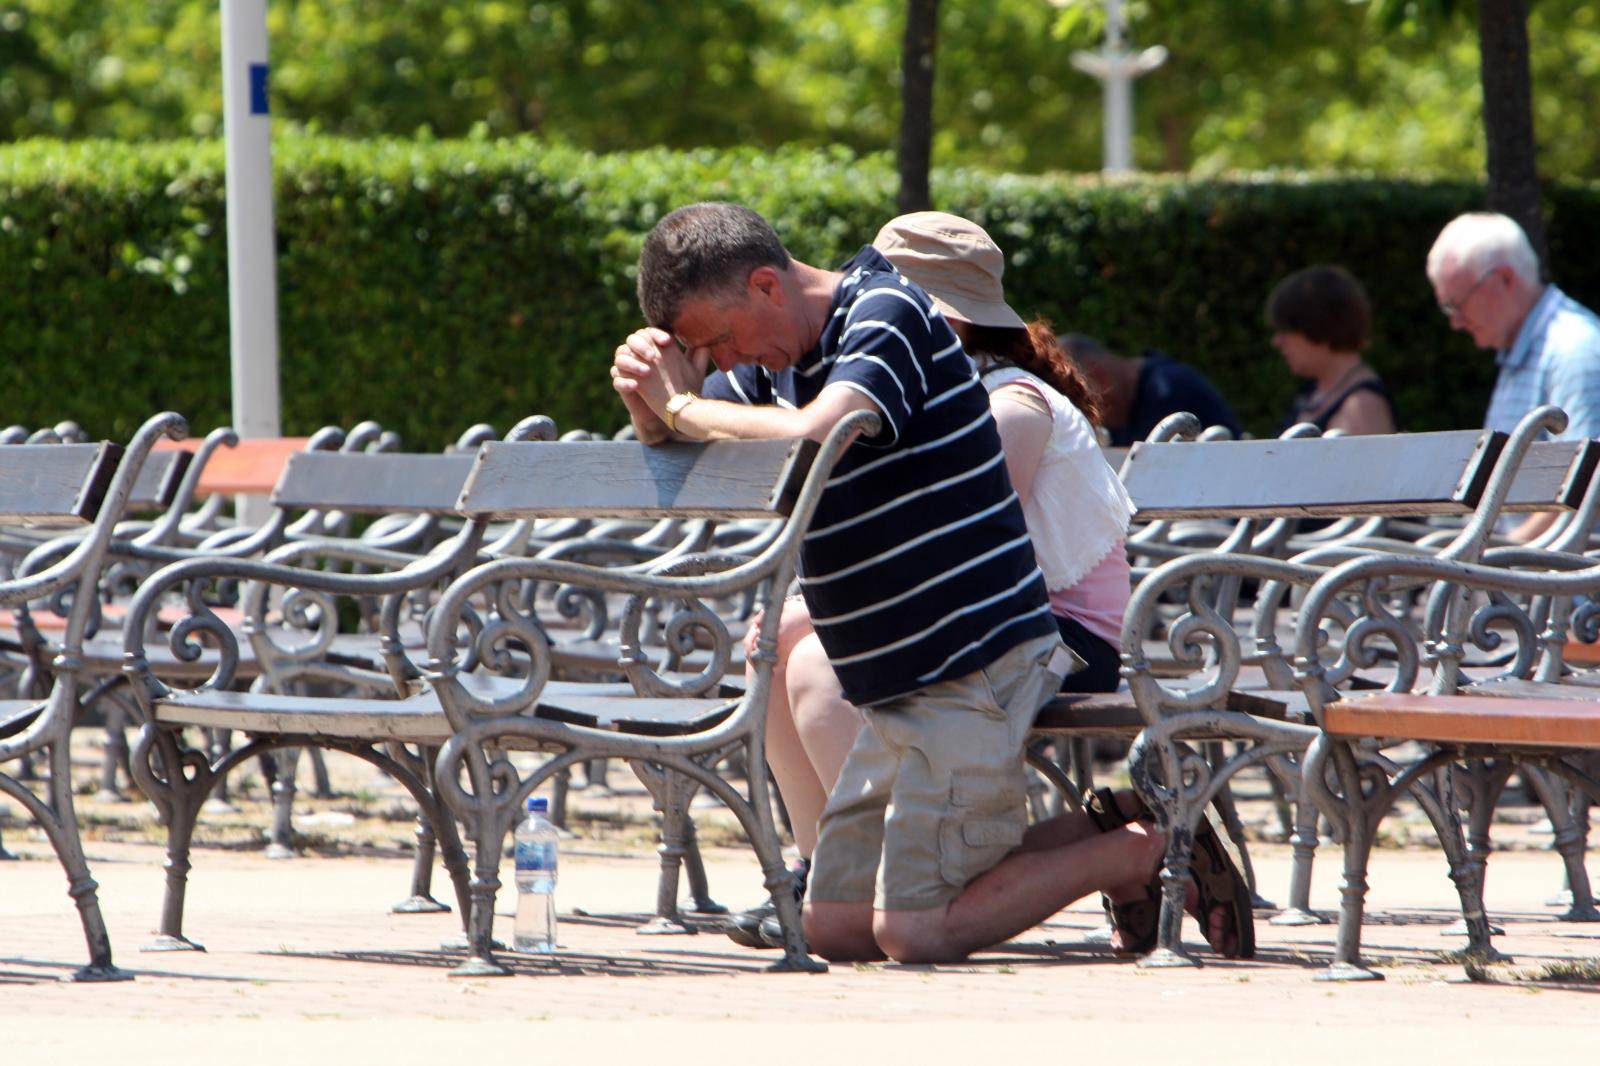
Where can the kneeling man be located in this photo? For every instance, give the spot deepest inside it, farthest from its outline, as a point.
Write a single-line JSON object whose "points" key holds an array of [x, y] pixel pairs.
{"points": [[917, 571]]}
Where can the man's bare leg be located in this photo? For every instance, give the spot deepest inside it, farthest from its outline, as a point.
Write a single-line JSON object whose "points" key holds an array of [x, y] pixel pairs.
{"points": [[842, 932], [1023, 890]]}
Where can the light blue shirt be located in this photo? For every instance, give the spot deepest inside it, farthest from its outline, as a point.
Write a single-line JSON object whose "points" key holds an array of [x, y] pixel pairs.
{"points": [[1554, 359]]}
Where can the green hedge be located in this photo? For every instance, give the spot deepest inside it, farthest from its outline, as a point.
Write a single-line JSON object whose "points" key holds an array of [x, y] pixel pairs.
{"points": [[430, 285]]}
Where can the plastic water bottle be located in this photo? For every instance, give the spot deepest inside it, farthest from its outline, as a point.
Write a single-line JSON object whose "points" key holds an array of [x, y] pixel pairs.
{"points": [[536, 880]]}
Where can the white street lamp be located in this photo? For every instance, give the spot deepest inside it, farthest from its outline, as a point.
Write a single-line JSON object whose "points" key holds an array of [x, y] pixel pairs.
{"points": [[1115, 68]]}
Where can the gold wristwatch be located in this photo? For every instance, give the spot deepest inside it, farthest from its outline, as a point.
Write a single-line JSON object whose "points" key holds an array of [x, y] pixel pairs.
{"points": [[675, 406]]}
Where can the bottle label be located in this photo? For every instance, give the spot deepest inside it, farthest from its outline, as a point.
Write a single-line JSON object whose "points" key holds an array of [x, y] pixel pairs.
{"points": [[536, 855]]}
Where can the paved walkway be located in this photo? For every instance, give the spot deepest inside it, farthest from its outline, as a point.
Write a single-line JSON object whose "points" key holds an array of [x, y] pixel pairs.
{"points": [[304, 963]]}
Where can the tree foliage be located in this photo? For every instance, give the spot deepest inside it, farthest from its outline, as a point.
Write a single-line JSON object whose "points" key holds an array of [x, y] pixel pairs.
{"points": [[1382, 85]]}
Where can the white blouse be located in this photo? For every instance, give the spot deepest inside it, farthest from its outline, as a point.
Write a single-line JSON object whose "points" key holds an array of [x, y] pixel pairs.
{"points": [[1078, 510]]}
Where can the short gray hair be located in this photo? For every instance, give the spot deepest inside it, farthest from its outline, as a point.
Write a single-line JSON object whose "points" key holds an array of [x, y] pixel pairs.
{"points": [[706, 250], [1481, 241]]}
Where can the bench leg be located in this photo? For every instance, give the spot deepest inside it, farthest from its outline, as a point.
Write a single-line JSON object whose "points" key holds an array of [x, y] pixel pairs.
{"points": [[489, 811], [1234, 826], [1571, 841], [560, 795], [420, 900], [1172, 821], [1444, 810], [218, 743], [281, 840], [673, 793], [1356, 817], [695, 867], [114, 757], [1483, 782], [59, 821], [756, 817], [1303, 843], [177, 781], [321, 787]]}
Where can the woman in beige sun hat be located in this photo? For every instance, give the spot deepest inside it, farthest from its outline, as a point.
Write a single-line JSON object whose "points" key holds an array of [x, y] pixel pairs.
{"points": [[1076, 507]]}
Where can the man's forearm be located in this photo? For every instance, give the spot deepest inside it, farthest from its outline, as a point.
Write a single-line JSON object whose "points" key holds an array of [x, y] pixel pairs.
{"points": [[720, 420]]}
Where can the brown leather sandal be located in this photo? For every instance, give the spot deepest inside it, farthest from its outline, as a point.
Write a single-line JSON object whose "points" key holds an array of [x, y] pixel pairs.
{"points": [[1217, 882], [1137, 920]]}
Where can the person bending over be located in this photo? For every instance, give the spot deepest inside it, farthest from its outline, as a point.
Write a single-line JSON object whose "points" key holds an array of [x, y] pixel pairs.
{"points": [[920, 586]]}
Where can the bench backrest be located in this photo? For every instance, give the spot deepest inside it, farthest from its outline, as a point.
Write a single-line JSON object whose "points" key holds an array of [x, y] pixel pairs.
{"points": [[159, 479], [373, 483], [1400, 474], [251, 467], [626, 479], [55, 484], [1554, 473]]}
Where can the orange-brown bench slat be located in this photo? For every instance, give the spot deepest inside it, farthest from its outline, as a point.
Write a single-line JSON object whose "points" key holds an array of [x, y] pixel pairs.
{"points": [[251, 468], [1468, 720]]}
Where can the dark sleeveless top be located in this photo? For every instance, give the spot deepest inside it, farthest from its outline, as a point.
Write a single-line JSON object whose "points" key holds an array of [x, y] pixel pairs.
{"points": [[1372, 384]]}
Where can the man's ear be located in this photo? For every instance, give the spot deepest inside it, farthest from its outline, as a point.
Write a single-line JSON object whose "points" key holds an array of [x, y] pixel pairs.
{"points": [[767, 283]]}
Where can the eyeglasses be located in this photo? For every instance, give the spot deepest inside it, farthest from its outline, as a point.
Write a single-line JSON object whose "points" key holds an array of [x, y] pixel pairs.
{"points": [[1452, 308]]}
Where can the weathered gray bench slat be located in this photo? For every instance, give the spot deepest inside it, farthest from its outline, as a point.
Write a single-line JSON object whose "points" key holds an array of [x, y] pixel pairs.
{"points": [[1585, 690], [56, 484], [1445, 473], [421, 720], [17, 715], [1553, 471], [364, 483], [159, 479], [614, 480], [1116, 714]]}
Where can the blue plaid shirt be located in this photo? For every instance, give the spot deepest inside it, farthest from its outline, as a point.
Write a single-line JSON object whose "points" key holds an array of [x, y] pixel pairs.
{"points": [[1555, 359]]}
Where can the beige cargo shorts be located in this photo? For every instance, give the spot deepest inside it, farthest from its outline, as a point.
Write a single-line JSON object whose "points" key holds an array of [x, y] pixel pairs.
{"points": [[934, 791]]}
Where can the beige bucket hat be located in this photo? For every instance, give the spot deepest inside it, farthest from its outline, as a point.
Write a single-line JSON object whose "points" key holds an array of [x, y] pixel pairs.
{"points": [[955, 262]]}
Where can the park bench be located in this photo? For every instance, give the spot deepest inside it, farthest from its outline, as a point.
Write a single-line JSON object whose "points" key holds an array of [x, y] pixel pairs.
{"points": [[1452, 473], [485, 687], [1465, 735], [84, 485]]}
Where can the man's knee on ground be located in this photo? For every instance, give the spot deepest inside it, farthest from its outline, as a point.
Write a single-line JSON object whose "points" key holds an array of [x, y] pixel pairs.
{"points": [[840, 932], [915, 936]]}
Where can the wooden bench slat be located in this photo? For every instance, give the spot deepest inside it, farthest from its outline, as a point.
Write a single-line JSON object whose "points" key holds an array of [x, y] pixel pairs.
{"points": [[251, 468], [1554, 723], [55, 484], [416, 721], [1115, 713], [17, 715], [1582, 689], [1444, 473], [626, 479], [1582, 654], [1553, 472], [159, 479], [421, 719], [373, 484]]}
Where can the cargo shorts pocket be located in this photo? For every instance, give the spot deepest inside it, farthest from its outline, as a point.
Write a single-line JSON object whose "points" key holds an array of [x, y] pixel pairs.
{"points": [[984, 821]]}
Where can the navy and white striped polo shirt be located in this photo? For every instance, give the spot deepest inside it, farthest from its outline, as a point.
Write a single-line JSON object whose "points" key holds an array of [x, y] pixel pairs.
{"points": [[917, 567]]}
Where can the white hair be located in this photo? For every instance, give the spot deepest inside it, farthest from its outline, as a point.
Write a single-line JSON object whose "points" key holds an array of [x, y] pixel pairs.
{"points": [[1481, 241]]}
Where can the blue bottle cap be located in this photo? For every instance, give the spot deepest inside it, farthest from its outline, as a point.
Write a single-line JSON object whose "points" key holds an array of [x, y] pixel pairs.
{"points": [[538, 804]]}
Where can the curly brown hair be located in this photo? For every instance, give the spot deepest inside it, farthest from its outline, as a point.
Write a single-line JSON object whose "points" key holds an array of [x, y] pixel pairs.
{"points": [[1037, 351]]}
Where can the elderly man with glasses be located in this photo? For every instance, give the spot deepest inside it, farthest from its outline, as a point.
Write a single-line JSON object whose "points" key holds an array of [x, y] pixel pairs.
{"points": [[1485, 276]]}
